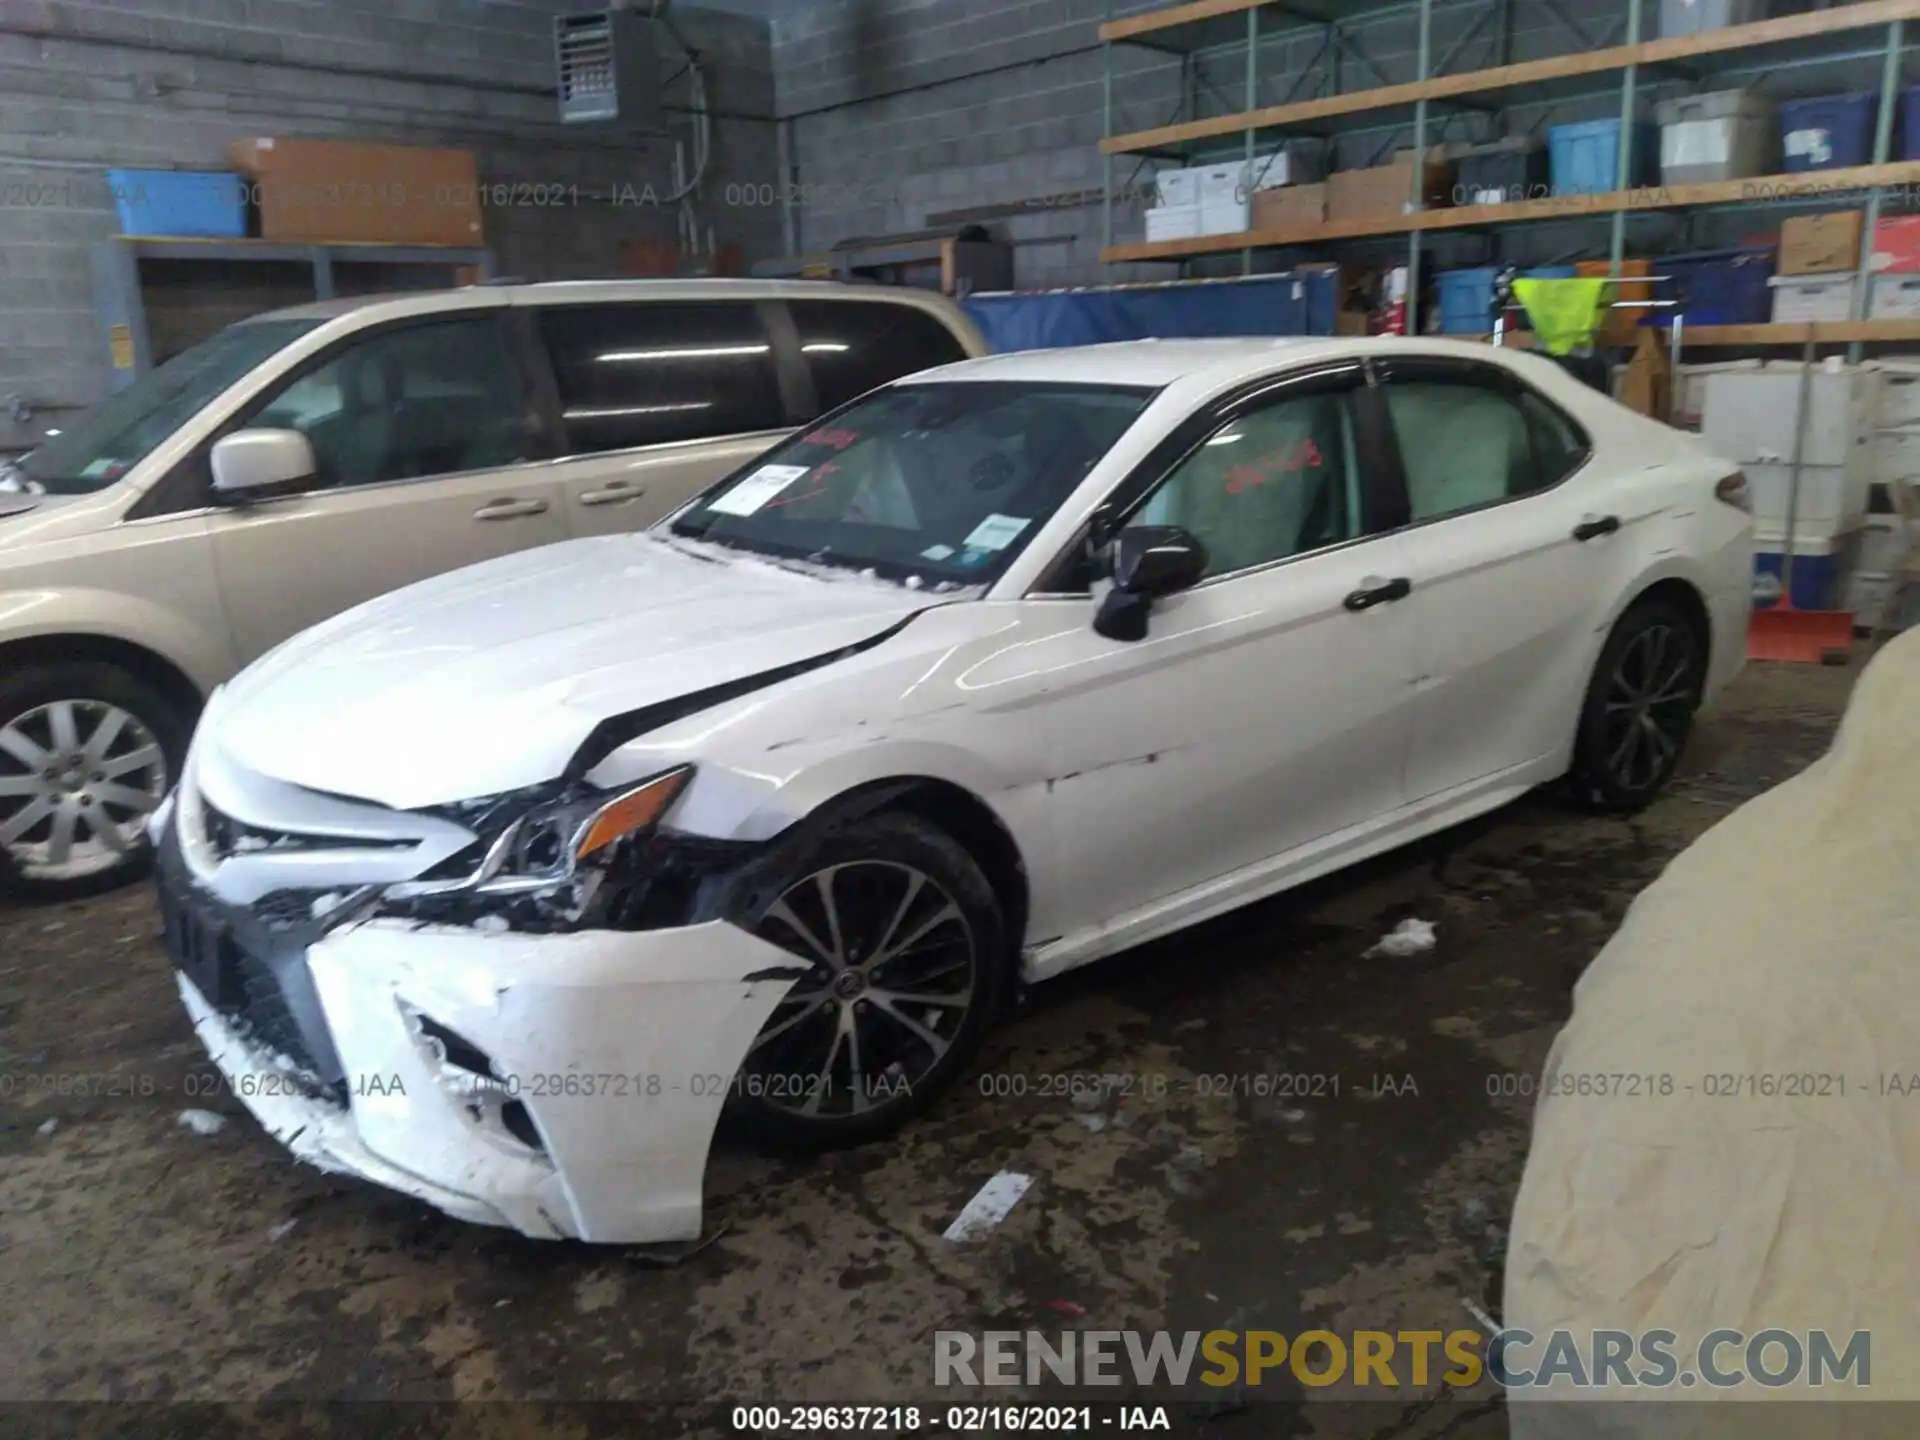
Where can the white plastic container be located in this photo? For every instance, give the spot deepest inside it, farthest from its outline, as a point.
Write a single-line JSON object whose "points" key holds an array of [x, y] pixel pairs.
{"points": [[1177, 188], [1899, 394], [1865, 594], [1812, 299], [1884, 543], [1896, 456], [1833, 498], [1749, 414], [1690, 17], [1726, 135], [1896, 297], [1173, 222]]}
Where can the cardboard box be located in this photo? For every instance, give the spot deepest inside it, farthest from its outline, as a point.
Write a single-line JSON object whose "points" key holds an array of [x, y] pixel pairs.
{"points": [[1820, 244], [1896, 245], [1812, 299], [1290, 208], [331, 191], [1620, 327], [1386, 190], [1173, 222]]}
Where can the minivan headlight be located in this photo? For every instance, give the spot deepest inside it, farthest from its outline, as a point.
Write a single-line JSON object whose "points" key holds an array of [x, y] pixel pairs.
{"points": [[541, 840]]}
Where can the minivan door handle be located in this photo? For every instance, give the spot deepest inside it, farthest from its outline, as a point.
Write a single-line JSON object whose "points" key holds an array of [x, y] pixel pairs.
{"points": [[1379, 593], [616, 493], [1593, 529], [510, 509]]}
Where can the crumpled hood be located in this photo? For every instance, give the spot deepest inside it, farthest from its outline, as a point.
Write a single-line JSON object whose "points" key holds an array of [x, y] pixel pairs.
{"points": [[487, 679]]}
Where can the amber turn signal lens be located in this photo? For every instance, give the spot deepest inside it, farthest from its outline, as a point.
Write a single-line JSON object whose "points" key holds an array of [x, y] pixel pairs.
{"points": [[631, 813]]}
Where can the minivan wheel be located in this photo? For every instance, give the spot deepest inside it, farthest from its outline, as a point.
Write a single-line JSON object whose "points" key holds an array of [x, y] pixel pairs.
{"points": [[907, 962], [87, 752], [1639, 708]]}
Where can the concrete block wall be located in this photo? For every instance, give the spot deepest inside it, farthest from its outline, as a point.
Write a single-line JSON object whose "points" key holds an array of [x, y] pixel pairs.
{"points": [[901, 109], [90, 84]]}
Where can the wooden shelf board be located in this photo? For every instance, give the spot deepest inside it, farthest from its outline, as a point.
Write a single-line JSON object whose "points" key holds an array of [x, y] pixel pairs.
{"points": [[1145, 27], [1811, 185], [1832, 333], [1785, 29]]}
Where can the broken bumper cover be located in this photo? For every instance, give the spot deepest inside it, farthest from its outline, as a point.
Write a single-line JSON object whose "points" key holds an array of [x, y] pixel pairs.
{"points": [[619, 1048]]}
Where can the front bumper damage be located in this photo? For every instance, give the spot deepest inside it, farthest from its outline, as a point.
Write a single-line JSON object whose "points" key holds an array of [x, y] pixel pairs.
{"points": [[566, 1086]]}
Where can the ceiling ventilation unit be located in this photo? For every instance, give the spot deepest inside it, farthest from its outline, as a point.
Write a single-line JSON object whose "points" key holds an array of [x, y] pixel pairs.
{"points": [[609, 69]]}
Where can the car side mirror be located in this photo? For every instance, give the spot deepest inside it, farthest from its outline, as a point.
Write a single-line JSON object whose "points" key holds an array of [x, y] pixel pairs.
{"points": [[251, 465], [1149, 563]]}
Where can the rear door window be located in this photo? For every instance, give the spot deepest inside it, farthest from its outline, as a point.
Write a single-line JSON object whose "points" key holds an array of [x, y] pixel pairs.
{"points": [[652, 373], [853, 346]]}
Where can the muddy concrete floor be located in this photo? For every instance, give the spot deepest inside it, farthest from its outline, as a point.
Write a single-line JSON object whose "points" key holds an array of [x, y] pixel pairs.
{"points": [[142, 1261]]}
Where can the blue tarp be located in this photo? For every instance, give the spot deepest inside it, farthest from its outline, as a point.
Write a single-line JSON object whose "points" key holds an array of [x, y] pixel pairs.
{"points": [[1302, 303]]}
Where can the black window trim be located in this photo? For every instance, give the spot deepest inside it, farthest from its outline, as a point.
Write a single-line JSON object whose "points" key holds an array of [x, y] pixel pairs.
{"points": [[790, 378], [1382, 496], [1486, 375], [161, 501]]}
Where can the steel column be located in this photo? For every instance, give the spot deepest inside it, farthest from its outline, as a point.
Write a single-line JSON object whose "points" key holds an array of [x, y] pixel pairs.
{"points": [[1417, 199], [1629, 87], [1253, 102], [1106, 129], [1882, 146]]}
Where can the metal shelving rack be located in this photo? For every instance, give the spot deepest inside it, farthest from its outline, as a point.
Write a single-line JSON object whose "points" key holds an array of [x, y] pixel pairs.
{"points": [[120, 300], [1209, 28]]}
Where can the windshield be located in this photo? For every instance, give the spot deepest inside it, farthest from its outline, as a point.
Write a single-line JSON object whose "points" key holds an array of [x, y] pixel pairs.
{"points": [[117, 434], [940, 482]]}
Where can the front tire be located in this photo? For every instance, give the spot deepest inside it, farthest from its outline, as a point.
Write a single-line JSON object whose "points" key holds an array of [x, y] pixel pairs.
{"points": [[1639, 708], [908, 965], [87, 752]]}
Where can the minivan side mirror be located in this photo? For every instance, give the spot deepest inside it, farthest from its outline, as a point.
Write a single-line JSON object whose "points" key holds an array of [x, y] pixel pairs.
{"points": [[251, 465], [1150, 562]]}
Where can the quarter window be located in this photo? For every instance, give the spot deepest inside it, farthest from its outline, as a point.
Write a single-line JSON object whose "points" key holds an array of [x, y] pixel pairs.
{"points": [[433, 399], [853, 346], [1274, 483], [1464, 445], [648, 374]]}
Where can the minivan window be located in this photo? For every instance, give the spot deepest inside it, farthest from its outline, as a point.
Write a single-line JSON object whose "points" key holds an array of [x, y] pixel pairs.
{"points": [[407, 403], [117, 434], [646, 374], [853, 346]]}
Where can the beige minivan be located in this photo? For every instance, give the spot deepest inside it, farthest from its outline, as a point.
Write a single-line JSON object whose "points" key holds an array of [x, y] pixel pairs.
{"points": [[303, 461]]}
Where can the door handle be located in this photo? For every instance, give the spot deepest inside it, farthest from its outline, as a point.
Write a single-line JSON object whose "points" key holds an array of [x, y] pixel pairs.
{"points": [[1382, 594], [1594, 529], [615, 494], [510, 509]]}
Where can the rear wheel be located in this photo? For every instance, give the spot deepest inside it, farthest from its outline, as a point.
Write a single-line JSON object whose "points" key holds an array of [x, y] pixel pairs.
{"points": [[87, 752], [1639, 708], [905, 946]]}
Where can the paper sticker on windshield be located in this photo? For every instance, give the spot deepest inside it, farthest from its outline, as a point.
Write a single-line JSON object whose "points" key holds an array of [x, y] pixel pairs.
{"points": [[937, 553], [752, 493], [98, 468], [996, 532]]}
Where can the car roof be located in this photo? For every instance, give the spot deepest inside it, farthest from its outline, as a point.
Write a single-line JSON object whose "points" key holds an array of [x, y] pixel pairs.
{"points": [[572, 292], [1161, 363]]}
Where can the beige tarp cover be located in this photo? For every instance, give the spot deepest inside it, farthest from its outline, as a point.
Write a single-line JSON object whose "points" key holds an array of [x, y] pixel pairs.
{"points": [[1784, 943]]}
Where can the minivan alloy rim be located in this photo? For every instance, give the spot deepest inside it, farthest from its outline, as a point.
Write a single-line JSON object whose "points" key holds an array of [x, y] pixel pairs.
{"points": [[891, 981], [1648, 705], [78, 779]]}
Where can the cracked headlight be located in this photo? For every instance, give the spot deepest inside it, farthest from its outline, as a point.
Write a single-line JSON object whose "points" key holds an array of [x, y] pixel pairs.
{"points": [[543, 840]]}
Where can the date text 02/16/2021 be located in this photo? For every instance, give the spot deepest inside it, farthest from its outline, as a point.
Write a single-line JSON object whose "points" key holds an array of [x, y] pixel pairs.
{"points": [[892, 1420]]}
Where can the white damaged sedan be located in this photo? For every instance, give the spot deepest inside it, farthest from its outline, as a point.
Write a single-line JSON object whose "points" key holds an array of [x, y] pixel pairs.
{"points": [[497, 890]]}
